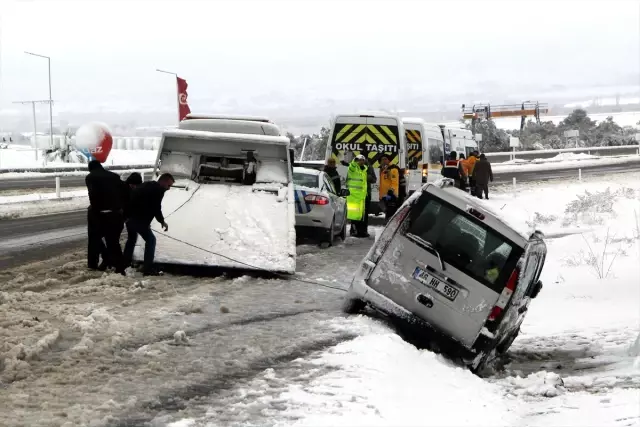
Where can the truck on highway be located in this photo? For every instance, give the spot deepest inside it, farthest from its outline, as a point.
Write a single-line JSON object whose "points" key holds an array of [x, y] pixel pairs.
{"points": [[216, 216]]}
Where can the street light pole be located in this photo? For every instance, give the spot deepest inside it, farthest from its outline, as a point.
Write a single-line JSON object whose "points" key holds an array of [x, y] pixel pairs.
{"points": [[177, 88], [50, 99]]}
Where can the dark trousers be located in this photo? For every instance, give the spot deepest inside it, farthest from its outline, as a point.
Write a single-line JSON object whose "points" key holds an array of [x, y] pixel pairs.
{"points": [[362, 227], [472, 186], [107, 226], [135, 227], [482, 188]]}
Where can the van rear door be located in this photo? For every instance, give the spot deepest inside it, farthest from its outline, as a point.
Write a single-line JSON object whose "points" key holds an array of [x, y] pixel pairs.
{"points": [[447, 267], [413, 137]]}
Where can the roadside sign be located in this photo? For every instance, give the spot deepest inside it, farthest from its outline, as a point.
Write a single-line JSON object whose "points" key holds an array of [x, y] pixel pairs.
{"points": [[514, 142], [478, 137], [571, 133]]}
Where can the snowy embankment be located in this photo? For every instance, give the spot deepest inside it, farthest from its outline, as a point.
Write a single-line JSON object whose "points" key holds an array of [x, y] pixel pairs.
{"points": [[26, 158], [573, 364]]}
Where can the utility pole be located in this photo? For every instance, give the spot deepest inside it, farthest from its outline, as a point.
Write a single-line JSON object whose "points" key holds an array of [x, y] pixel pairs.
{"points": [[35, 132], [50, 100]]}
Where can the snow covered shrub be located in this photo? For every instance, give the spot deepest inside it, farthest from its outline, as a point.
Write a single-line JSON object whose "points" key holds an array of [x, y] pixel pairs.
{"points": [[602, 263], [539, 218], [592, 207]]}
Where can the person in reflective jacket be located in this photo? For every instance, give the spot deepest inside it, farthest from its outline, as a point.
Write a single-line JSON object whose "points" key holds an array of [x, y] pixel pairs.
{"points": [[451, 169], [357, 185]]}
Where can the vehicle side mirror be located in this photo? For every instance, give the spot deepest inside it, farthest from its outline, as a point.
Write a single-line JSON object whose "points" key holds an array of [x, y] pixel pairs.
{"points": [[536, 289], [345, 193]]}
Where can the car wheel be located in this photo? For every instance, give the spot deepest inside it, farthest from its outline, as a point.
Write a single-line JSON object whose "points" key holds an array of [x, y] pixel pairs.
{"points": [[352, 305], [328, 235]]}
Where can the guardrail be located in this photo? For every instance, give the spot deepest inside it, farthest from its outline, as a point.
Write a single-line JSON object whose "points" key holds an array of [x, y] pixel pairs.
{"points": [[621, 150]]}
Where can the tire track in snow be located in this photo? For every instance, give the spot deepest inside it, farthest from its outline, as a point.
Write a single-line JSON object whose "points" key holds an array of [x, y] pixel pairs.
{"points": [[175, 400]]}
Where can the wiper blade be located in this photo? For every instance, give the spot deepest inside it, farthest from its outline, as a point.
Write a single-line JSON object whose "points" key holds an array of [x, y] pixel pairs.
{"points": [[430, 247]]}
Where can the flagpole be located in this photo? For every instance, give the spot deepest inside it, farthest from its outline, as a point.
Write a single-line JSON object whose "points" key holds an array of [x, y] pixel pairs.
{"points": [[177, 89]]}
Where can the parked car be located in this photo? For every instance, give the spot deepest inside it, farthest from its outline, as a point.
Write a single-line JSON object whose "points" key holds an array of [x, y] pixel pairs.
{"points": [[321, 212], [445, 262]]}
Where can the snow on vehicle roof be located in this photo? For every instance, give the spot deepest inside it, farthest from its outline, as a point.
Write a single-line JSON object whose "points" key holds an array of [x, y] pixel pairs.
{"points": [[378, 114], [201, 134], [307, 171], [231, 126], [229, 117], [412, 120]]}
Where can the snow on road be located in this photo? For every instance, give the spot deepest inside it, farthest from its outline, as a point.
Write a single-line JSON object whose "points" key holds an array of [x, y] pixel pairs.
{"points": [[89, 349]]}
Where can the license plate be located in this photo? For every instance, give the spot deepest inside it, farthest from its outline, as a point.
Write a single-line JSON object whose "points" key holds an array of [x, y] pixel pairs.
{"points": [[439, 286]]}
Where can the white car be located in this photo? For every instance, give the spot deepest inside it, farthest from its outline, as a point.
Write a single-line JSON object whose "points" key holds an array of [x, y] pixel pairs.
{"points": [[321, 213]]}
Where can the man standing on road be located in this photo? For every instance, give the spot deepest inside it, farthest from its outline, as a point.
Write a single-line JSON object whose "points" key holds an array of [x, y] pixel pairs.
{"points": [[104, 218], [357, 185], [332, 171], [146, 204], [129, 184], [371, 179], [482, 174], [451, 169]]}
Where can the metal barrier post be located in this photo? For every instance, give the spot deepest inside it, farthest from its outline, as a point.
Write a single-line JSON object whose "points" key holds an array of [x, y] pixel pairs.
{"points": [[58, 187], [514, 183], [579, 174]]}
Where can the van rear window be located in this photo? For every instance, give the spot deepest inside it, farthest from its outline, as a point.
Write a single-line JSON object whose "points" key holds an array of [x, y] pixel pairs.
{"points": [[463, 241]]}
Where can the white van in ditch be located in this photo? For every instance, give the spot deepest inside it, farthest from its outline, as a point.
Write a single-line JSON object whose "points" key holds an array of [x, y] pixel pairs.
{"points": [[447, 263]]}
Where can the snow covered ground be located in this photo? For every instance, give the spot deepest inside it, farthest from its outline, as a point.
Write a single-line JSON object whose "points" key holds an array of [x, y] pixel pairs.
{"points": [[32, 204], [85, 348], [25, 157]]}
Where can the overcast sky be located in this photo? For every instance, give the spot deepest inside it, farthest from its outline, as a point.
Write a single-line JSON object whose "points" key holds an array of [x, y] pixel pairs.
{"points": [[107, 52]]}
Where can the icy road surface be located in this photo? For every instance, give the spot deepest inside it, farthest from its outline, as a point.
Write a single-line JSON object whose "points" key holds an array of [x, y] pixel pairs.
{"points": [[83, 349]]}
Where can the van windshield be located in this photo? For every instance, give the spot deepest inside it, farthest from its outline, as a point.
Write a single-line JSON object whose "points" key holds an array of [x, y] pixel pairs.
{"points": [[374, 141], [463, 241]]}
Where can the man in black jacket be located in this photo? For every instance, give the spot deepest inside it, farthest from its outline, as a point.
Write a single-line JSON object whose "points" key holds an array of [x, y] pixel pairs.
{"points": [[146, 204], [104, 218], [130, 183], [332, 171]]}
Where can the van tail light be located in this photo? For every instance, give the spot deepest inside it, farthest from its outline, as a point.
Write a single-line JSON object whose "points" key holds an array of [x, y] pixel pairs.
{"points": [[387, 234], [505, 296], [313, 199]]}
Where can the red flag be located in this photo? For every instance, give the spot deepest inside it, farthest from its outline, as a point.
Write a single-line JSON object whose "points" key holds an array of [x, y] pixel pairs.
{"points": [[183, 106]]}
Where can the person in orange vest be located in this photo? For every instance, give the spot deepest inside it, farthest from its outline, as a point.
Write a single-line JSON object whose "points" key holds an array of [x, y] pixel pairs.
{"points": [[468, 166], [389, 178], [452, 169]]}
